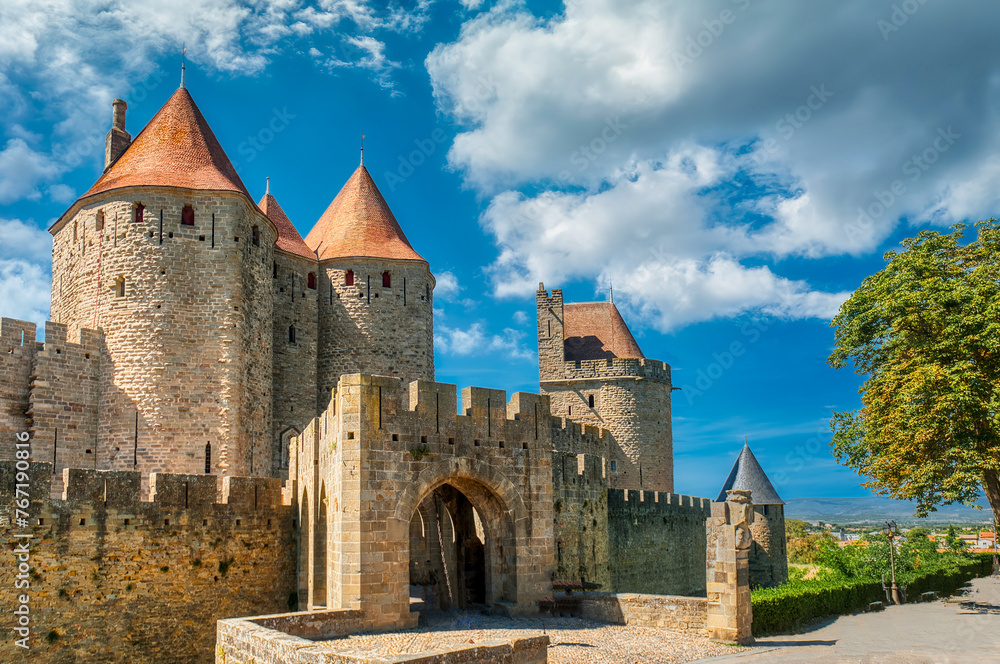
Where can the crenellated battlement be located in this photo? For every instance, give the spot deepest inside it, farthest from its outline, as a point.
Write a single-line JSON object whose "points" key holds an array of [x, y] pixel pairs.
{"points": [[632, 501], [571, 437], [196, 495], [619, 367]]}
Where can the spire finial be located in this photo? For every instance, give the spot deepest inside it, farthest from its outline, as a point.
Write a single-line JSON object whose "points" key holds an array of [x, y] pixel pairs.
{"points": [[362, 149], [268, 189], [611, 290], [183, 53], [746, 443]]}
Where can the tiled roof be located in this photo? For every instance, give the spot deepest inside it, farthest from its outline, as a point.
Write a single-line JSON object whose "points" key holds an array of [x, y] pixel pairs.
{"points": [[359, 223], [176, 149], [288, 238], [596, 331], [749, 476]]}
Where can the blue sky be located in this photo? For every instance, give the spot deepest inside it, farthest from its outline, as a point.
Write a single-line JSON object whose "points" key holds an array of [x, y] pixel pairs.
{"points": [[733, 167]]}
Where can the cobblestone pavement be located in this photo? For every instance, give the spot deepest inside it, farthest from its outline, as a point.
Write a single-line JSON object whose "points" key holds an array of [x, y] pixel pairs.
{"points": [[572, 641], [960, 630]]}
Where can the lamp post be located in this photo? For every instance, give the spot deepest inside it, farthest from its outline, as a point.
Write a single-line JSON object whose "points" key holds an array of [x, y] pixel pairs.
{"points": [[889, 530]]}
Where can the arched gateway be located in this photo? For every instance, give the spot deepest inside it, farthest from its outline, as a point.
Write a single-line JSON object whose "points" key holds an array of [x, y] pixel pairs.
{"points": [[455, 510]]}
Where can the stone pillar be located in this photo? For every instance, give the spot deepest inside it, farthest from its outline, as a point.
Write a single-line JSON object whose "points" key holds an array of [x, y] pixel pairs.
{"points": [[730, 614]]}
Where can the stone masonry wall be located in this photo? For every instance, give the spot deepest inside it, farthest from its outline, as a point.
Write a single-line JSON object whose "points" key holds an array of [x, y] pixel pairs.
{"points": [[370, 329], [188, 354], [580, 489], [17, 355], [657, 542], [114, 578], [380, 450], [294, 369], [631, 399], [768, 553]]}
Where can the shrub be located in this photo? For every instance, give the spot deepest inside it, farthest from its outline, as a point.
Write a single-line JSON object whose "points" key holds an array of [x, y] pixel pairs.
{"points": [[798, 602]]}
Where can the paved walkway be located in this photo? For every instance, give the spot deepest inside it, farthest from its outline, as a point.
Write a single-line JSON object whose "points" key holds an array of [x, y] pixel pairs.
{"points": [[961, 630]]}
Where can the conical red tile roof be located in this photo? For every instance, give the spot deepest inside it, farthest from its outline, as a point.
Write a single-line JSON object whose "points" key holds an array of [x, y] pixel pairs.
{"points": [[176, 149], [360, 223], [596, 331], [288, 238]]}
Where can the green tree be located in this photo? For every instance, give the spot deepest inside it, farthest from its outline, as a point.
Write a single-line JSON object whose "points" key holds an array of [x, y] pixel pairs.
{"points": [[796, 528], [925, 332]]}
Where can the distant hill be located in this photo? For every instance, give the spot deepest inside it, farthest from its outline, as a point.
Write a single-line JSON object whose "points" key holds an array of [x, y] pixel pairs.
{"points": [[873, 509]]}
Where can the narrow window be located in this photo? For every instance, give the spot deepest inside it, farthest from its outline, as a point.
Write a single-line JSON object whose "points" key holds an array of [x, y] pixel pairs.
{"points": [[349, 278], [291, 334], [74, 232], [208, 458], [614, 466], [311, 280], [569, 410], [99, 224], [187, 216], [386, 280], [274, 270], [590, 401], [255, 236], [138, 211], [120, 287]]}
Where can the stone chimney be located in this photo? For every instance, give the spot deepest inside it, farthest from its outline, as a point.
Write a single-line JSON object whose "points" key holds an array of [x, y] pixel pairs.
{"points": [[118, 139]]}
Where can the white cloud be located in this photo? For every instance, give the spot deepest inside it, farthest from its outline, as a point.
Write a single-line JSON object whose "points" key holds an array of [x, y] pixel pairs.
{"points": [[447, 286], [24, 290], [476, 340], [67, 59], [687, 173], [25, 271], [520, 317], [25, 242], [22, 169]]}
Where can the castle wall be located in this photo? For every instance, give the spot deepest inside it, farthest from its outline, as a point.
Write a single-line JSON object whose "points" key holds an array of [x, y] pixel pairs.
{"points": [[657, 542], [631, 400], [17, 356], [367, 328], [768, 553], [116, 578], [380, 450], [187, 361], [580, 489], [294, 363]]}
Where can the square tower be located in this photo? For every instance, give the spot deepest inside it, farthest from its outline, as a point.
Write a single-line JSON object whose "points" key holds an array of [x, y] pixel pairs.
{"points": [[593, 370]]}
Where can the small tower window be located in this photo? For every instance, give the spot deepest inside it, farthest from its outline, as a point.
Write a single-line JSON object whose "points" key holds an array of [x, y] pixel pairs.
{"points": [[274, 270], [74, 232], [614, 466], [291, 334], [120, 287], [208, 458], [99, 223], [349, 278], [590, 401], [311, 280], [187, 216], [386, 280], [255, 236], [139, 211]]}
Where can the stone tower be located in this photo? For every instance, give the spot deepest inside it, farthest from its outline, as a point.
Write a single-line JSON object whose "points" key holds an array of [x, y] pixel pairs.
{"points": [[168, 255], [768, 554], [295, 290], [592, 368], [375, 291]]}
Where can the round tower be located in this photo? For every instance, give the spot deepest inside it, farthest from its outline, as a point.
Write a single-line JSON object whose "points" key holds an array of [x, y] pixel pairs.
{"points": [[376, 294], [768, 553], [170, 257]]}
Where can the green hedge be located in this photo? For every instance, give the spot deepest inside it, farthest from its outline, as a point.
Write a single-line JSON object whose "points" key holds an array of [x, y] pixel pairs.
{"points": [[788, 607]]}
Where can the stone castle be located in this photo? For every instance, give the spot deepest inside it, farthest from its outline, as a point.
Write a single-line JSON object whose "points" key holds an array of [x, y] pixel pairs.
{"points": [[227, 419]]}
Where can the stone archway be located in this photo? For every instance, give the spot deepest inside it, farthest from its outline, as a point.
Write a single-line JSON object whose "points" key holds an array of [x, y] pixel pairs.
{"points": [[466, 553]]}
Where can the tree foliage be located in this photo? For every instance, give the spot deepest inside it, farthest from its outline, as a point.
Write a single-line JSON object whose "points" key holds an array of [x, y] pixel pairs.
{"points": [[925, 331]]}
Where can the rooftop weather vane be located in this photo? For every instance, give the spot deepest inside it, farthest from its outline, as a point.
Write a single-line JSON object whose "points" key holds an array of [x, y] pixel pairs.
{"points": [[183, 53], [362, 149], [268, 188]]}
